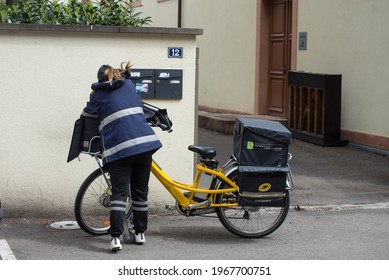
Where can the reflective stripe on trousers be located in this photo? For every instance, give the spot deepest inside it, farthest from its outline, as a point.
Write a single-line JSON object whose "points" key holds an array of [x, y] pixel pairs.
{"points": [[140, 206], [118, 205]]}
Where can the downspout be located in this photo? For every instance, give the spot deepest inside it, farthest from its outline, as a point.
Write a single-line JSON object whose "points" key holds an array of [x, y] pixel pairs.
{"points": [[179, 23]]}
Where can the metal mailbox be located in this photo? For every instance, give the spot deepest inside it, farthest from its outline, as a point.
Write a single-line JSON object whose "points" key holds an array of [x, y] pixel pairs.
{"points": [[168, 84], [144, 81]]}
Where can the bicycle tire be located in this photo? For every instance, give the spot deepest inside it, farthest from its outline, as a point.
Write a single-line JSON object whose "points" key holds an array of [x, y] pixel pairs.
{"points": [[92, 204], [250, 222]]}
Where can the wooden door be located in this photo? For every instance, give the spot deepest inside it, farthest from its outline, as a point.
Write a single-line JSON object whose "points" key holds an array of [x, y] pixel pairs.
{"points": [[279, 56]]}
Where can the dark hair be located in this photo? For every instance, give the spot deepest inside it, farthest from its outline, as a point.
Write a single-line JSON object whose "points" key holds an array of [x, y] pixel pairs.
{"points": [[101, 76], [107, 73]]}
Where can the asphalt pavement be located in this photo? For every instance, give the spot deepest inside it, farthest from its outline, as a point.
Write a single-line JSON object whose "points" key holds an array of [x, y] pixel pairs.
{"points": [[339, 210]]}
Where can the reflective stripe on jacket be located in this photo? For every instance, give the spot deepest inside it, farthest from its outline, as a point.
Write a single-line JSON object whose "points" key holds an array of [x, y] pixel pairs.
{"points": [[124, 129]]}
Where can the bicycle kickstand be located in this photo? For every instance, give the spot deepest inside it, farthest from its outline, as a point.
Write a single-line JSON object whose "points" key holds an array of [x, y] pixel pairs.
{"points": [[128, 234]]}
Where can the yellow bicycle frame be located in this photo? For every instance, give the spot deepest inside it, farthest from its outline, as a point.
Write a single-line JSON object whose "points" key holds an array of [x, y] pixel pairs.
{"points": [[174, 187]]}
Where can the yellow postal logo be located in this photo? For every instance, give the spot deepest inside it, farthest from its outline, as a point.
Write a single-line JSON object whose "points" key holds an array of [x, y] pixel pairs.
{"points": [[264, 187]]}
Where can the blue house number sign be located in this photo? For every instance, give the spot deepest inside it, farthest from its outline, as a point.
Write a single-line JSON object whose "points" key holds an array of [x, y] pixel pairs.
{"points": [[175, 52]]}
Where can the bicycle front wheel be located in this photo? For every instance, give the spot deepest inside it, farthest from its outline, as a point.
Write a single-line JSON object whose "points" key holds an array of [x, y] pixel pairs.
{"points": [[250, 222], [92, 204]]}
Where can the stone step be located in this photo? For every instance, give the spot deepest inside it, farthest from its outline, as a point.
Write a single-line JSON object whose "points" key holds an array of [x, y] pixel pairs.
{"points": [[224, 122]]}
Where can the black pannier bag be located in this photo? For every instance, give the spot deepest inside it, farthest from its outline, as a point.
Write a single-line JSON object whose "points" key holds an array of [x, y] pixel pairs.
{"points": [[85, 137], [90, 136], [262, 186], [261, 142]]}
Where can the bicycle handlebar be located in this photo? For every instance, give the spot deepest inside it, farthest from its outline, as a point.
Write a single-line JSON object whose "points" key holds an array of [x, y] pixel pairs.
{"points": [[157, 117]]}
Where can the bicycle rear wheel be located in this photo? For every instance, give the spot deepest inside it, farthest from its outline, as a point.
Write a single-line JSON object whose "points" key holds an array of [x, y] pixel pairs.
{"points": [[250, 222], [92, 204]]}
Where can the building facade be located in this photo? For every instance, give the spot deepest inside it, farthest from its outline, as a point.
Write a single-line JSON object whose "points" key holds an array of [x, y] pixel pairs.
{"points": [[248, 48]]}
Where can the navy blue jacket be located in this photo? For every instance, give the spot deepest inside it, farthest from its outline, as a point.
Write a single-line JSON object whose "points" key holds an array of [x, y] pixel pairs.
{"points": [[124, 130]]}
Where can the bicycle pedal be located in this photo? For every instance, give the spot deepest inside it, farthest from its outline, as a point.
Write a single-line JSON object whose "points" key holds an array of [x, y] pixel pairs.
{"points": [[206, 203]]}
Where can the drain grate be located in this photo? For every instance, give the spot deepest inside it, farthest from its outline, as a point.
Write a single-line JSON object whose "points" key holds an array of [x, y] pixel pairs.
{"points": [[65, 225]]}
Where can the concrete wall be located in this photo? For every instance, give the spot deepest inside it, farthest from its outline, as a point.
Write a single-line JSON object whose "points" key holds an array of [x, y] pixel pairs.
{"points": [[227, 47], [351, 38], [45, 83]]}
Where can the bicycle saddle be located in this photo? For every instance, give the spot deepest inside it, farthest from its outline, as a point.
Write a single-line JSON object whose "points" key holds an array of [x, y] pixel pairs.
{"points": [[205, 152]]}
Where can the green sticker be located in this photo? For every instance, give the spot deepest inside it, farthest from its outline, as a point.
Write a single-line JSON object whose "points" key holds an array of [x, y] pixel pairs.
{"points": [[250, 145]]}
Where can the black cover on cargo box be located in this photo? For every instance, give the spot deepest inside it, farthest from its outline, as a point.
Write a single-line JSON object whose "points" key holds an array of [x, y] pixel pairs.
{"points": [[261, 142], [251, 178], [262, 186]]}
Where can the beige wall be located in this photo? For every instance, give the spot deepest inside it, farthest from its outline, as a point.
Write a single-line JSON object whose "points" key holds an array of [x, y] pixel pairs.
{"points": [[227, 47], [45, 83], [350, 37], [227, 52], [162, 13]]}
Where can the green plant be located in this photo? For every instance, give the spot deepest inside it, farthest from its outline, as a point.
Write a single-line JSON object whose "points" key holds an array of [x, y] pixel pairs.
{"points": [[73, 12]]}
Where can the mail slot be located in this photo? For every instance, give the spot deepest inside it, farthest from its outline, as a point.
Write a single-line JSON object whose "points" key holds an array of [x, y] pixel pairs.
{"points": [[143, 80], [168, 84]]}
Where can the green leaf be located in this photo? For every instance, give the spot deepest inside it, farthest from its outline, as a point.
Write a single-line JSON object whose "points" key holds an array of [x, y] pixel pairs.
{"points": [[102, 12]]}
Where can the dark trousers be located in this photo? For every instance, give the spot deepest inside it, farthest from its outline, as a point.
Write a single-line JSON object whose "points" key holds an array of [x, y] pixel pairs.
{"points": [[129, 174]]}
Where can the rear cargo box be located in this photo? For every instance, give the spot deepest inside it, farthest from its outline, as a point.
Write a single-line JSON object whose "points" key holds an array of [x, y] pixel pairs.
{"points": [[262, 186], [261, 142]]}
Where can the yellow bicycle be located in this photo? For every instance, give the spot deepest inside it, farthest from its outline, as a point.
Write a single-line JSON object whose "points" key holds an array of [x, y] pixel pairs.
{"points": [[213, 192]]}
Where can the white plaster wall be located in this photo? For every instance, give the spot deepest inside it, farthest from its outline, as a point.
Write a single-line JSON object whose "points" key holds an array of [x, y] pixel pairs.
{"points": [[45, 83], [350, 37]]}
